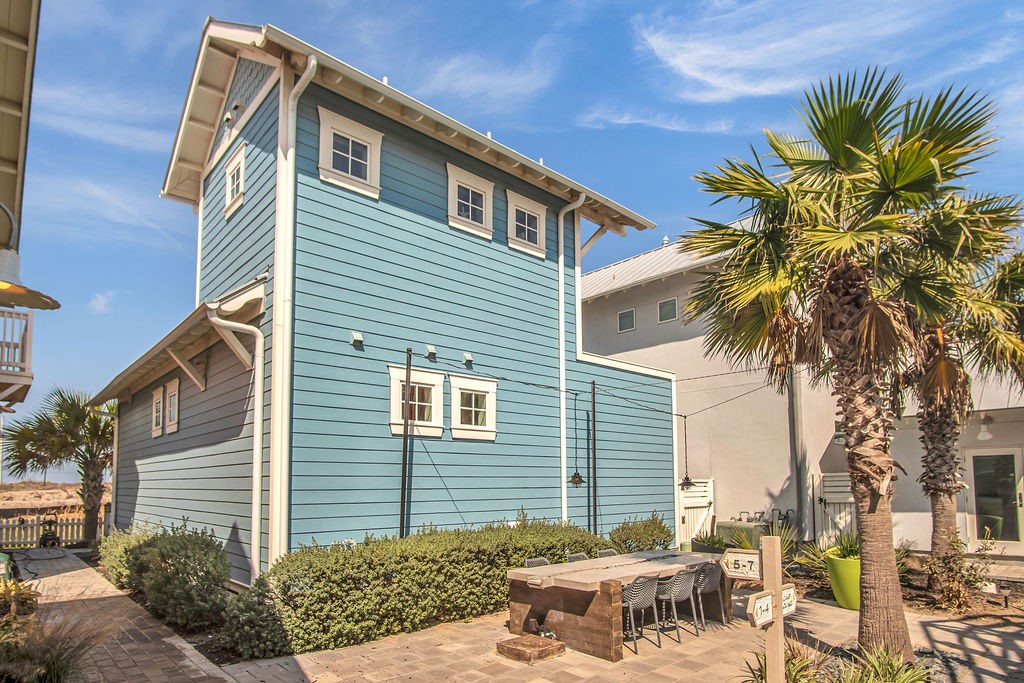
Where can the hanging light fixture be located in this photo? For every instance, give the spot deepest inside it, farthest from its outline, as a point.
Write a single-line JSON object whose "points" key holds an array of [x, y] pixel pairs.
{"points": [[686, 484], [576, 480], [12, 291], [983, 433]]}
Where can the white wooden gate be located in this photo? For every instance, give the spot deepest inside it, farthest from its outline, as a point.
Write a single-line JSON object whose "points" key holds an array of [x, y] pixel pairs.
{"points": [[24, 531], [834, 510], [698, 503]]}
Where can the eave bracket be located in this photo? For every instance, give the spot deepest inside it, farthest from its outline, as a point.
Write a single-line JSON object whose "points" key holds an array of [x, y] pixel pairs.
{"points": [[194, 373]]}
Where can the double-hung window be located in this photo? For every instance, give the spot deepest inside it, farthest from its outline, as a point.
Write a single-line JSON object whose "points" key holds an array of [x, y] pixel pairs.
{"points": [[469, 202], [474, 409], [234, 181], [171, 402], [425, 401], [349, 154], [157, 412], [526, 223]]}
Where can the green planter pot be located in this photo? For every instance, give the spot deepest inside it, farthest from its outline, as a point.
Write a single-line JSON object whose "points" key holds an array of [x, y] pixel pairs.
{"points": [[844, 575]]}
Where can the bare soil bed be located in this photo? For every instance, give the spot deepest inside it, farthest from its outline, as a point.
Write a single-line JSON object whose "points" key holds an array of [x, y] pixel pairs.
{"points": [[27, 497]]}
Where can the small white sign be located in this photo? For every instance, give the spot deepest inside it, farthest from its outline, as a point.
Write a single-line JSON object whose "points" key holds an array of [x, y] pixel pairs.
{"points": [[788, 599], [742, 564], [759, 609]]}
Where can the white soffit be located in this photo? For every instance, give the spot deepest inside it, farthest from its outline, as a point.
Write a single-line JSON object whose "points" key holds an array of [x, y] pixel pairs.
{"points": [[19, 23], [223, 41]]}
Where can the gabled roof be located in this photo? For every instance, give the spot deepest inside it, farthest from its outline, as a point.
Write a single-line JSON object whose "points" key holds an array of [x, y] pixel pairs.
{"points": [[19, 25], [223, 42], [656, 264]]}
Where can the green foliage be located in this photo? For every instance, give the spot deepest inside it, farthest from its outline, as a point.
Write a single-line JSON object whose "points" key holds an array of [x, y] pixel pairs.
{"points": [[637, 534], [803, 665], [184, 574], [35, 651], [708, 538], [18, 598], [329, 597], [813, 556], [117, 555], [253, 624], [956, 576], [880, 666], [847, 545]]}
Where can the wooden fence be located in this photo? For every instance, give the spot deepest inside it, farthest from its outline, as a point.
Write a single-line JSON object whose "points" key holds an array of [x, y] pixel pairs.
{"points": [[24, 531]]}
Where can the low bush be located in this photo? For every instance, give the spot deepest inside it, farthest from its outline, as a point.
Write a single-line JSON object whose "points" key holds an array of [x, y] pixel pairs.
{"points": [[807, 665], [118, 556], [637, 534], [328, 597], [17, 598], [252, 624], [955, 575], [183, 575], [33, 651]]}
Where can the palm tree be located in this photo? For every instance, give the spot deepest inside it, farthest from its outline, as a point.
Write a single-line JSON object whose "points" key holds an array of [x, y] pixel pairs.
{"points": [[854, 241], [66, 430]]}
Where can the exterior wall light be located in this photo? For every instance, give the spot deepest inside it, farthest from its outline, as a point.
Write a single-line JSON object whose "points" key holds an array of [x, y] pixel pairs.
{"points": [[467, 358], [12, 291], [983, 433], [576, 480], [431, 352]]}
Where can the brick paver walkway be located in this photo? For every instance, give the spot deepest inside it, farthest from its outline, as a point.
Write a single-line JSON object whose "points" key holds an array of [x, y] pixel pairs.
{"points": [[140, 648]]}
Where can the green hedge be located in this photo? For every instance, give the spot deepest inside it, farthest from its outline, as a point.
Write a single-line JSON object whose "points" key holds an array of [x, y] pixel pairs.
{"points": [[328, 597], [635, 535]]}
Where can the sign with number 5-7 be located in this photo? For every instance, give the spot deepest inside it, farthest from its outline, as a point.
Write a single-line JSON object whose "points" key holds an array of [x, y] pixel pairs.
{"points": [[742, 564]]}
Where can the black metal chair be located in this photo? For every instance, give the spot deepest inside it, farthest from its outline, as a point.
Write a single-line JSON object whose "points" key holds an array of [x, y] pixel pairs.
{"points": [[607, 552], [537, 562], [709, 580], [640, 594], [676, 589], [576, 557]]}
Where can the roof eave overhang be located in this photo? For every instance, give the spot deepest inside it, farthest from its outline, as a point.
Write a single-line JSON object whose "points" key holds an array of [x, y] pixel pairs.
{"points": [[699, 263], [350, 82]]}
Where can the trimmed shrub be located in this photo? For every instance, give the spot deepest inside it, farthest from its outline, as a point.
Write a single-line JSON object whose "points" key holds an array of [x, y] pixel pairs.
{"points": [[637, 534], [183, 575], [329, 597], [117, 554], [252, 625]]}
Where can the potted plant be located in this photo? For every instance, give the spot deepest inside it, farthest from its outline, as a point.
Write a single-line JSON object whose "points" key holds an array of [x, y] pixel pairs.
{"points": [[707, 542], [843, 561]]}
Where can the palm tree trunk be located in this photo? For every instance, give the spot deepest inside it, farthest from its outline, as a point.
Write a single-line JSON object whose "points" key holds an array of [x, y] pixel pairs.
{"points": [[943, 522], [91, 494]]}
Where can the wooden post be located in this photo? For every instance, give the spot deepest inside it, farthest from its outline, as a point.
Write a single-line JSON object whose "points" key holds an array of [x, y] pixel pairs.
{"points": [[774, 637]]}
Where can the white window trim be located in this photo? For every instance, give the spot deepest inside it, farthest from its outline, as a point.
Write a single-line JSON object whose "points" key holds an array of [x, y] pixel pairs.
{"points": [[237, 160], [171, 389], [435, 380], [456, 177], [481, 385], [517, 201], [330, 123], [618, 320], [156, 417], [675, 307]]}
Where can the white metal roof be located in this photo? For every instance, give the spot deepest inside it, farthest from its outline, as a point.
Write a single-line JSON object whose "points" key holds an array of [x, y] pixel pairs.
{"points": [[19, 23], [223, 42], [649, 266]]}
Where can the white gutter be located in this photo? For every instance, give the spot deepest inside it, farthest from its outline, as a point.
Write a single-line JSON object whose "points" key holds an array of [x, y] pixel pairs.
{"points": [[258, 370], [563, 451], [283, 315]]}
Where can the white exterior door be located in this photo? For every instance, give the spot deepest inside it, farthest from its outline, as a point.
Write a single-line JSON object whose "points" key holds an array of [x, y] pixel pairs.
{"points": [[995, 497]]}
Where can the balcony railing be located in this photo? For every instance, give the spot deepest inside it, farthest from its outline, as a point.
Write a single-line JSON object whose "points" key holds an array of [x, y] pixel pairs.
{"points": [[15, 341]]}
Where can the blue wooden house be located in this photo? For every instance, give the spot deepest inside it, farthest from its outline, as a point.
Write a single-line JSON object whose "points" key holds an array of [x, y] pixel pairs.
{"points": [[345, 228]]}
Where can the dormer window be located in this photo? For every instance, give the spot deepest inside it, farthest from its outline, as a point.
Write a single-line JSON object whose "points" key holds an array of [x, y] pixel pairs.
{"points": [[234, 181], [469, 202], [349, 154], [526, 222]]}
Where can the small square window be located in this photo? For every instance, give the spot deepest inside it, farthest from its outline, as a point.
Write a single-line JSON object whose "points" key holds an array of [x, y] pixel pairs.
{"points": [[526, 219], [667, 310], [474, 407], [469, 202], [425, 408], [421, 404], [627, 320], [234, 181], [349, 154]]}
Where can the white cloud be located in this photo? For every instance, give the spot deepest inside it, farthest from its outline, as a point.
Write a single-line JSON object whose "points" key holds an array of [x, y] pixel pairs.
{"points": [[100, 302], [769, 47], [604, 117], [490, 85]]}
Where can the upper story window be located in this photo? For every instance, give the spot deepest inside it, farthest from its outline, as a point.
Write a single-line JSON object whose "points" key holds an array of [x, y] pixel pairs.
{"points": [[426, 401], [667, 310], [474, 407], [469, 202], [526, 222], [234, 181], [171, 401], [627, 320], [349, 154], [157, 412]]}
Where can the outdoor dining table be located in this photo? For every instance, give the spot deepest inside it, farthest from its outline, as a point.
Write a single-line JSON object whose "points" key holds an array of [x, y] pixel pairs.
{"points": [[581, 602]]}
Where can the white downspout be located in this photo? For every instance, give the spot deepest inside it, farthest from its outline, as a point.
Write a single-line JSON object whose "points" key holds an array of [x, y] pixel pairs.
{"points": [[258, 370], [283, 316], [563, 451]]}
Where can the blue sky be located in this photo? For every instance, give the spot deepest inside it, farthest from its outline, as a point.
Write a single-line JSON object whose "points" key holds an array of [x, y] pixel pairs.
{"points": [[629, 98]]}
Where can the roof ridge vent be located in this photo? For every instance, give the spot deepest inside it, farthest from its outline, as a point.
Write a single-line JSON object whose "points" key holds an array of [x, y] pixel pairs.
{"points": [[664, 241]]}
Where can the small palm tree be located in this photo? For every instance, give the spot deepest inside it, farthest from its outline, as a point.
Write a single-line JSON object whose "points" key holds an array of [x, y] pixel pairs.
{"points": [[66, 430], [856, 239]]}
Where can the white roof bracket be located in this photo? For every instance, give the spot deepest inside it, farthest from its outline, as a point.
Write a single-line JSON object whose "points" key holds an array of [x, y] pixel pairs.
{"points": [[236, 346], [593, 238], [196, 374]]}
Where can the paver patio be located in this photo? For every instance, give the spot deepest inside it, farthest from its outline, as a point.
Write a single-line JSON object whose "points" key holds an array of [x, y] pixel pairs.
{"points": [[143, 649]]}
